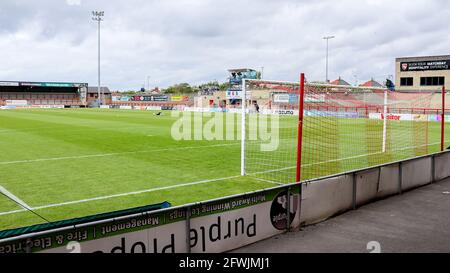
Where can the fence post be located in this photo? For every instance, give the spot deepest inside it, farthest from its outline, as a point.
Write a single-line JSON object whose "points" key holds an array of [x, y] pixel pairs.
{"points": [[443, 120], [28, 245], [288, 208], [433, 169], [300, 197], [188, 229], [354, 190], [400, 177]]}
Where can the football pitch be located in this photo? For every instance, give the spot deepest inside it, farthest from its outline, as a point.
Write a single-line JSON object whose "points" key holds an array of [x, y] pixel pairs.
{"points": [[66, 163]]}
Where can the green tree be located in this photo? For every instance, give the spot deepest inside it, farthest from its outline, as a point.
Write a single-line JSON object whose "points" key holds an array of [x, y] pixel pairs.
{"points": [[181, 88]]}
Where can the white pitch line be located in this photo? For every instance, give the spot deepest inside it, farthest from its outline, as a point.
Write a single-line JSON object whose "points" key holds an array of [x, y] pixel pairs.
{"points": [[180, 185], [112, 154], [12, 212], [120, 195], [268, 181], [13, 197]]}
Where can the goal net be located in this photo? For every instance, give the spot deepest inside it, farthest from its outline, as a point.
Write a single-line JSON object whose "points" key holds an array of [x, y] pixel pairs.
{"points": [[343, 128]]}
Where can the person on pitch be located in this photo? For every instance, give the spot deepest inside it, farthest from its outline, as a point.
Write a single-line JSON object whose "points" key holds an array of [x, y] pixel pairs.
{"points": [[256, 107]]}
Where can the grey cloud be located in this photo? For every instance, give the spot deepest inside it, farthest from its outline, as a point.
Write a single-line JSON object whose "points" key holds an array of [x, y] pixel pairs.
{"points": [[197, 40]]}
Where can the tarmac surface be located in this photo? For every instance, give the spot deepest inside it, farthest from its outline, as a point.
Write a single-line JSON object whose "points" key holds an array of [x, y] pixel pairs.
{"points": [[416, 221]]}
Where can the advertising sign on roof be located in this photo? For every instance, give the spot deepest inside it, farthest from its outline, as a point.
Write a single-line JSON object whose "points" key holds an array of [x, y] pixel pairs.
{"points": [[57, 84], [9, 84], [30, 84], [425, 65]]}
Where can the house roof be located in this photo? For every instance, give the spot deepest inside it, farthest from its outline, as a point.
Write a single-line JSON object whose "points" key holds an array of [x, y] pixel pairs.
{"points": [[339, 81], [371, 83], [103, 89]]}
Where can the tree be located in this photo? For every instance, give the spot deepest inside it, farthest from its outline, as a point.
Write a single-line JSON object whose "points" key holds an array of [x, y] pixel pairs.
{"points": [[224, 86], [181, 88]]}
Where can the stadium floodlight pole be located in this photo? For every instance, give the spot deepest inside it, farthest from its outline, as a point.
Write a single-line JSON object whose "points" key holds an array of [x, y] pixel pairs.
{"points": [[326, 65], [97, 16], [243, 109]]}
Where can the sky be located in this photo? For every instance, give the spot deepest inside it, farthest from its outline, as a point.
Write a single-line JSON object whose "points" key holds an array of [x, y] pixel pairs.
{"points": [[165, 42]]}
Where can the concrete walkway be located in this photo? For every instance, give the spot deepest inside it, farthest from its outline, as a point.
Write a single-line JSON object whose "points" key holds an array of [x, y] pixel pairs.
{"points": [[417, 221]]}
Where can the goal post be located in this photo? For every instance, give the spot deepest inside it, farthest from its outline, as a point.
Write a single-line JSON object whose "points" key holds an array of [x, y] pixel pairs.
{"points": [[243, 126], [301, 100], [320, 129]]}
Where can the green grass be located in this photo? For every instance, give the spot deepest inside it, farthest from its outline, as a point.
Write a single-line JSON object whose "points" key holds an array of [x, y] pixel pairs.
{"points": [[54, 156]]}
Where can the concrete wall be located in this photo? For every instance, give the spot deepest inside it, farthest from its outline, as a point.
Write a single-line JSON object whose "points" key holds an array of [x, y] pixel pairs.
{"points": [[442, 166], [416, 173], [325, 198]]}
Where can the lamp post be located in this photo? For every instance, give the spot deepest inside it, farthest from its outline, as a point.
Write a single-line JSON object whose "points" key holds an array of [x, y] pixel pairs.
{"points": [[98, 16], [148, 83], [327, 38]]}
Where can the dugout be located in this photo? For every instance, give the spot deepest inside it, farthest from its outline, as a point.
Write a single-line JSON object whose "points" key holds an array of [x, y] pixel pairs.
{"points": [[43, 93]]}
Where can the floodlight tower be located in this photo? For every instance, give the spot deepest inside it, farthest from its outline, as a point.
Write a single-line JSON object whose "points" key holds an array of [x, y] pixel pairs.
{"points": [[98, 16]]}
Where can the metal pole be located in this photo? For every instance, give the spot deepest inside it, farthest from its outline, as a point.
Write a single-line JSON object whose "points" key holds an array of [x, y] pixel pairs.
{"points": [[98, 87], [326, 73], [385, 121], [443, 120], [97, 16], [326, 70], [243, 109], [300, 127]]}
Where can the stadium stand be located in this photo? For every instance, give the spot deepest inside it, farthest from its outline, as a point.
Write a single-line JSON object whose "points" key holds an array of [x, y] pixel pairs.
{"points": [[43, 93]]}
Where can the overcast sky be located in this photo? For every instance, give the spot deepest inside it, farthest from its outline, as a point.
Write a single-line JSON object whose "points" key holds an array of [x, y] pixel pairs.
{"points": [[198, 40]]}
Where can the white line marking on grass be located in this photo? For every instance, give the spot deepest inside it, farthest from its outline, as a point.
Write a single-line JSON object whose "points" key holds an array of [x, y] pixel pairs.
{"points": [[121, 194], [113, 154], [267, 181], [13, 197], [345, 158]]}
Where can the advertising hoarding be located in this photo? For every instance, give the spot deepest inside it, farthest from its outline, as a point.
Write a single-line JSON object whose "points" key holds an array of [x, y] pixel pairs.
{"points": [[179, 98], [215, 226]]}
